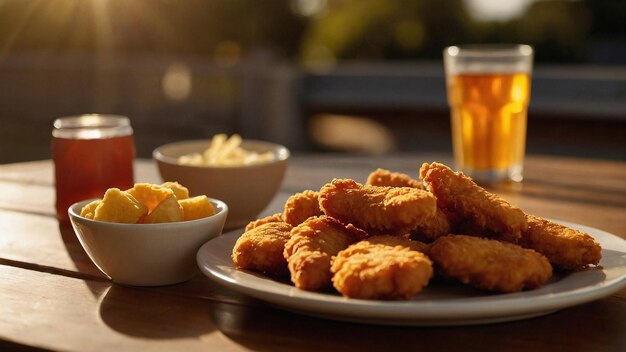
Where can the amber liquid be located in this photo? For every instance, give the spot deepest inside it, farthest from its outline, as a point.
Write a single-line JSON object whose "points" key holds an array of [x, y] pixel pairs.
{"points": [[489, 114], [86, 168]]}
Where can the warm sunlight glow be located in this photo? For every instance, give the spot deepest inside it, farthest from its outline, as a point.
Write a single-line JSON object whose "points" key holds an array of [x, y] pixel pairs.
{"points": [[351, 133], [496, 10], [308, 7], [177, 82]]}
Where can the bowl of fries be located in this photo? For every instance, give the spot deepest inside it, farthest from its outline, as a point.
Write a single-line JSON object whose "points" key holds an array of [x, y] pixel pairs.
{"points": [[245, 174]]}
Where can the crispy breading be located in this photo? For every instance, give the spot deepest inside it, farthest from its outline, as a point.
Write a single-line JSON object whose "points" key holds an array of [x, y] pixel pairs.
{"points": [[392, 240], [196, 207], [432, 228], [301, 206], [261, 249], [490, 264], [121, 207], [375, 209], [382, 177], [482, 211], [181, 192], [564, 247], [168, 210], [311, 247], [278, 217], [150, 195], [88, 211], [373, 269]]}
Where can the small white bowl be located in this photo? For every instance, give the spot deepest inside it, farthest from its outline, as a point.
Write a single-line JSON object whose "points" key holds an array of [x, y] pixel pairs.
{"points": [[146, 254], [246, 189]]}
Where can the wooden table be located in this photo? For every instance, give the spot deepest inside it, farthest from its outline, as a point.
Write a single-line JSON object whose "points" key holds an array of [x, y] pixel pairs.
{"points": [[53, 297]]}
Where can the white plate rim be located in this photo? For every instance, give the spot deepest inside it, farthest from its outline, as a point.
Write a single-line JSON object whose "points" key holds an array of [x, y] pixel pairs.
{"points": [[457, 311]]}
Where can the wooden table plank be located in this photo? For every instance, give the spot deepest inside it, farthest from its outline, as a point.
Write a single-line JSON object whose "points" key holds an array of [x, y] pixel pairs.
{"points": [[29, 187], [53, 248], [99, 316], [40, 241], [42, 172], [50, 290]]}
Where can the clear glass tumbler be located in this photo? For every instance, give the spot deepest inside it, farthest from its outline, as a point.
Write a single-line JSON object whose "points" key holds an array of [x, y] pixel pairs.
{"points": [[91, 154], [489, 92]]}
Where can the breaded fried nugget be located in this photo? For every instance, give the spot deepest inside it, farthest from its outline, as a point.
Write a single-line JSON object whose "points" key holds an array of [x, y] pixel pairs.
{"points": [[393, 241], [432, 228], [484, 212], [278, 217], [311, 247], [378, 269], [389, 210], [301, 206], [490, 264], [382, 177], [564, 247], [261, 249]]}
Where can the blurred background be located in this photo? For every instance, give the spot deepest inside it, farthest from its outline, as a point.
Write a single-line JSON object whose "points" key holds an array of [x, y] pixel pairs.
{"points": [[360, 76]]}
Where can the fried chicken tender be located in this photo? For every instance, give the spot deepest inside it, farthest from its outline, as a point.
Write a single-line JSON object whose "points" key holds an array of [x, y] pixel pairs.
{"points": [[382, 177], [375, 209], [564, 247], [432, 228], [278, 217], [311, 247], [377, 268], [483, 212], [261, 249], [393, 241], [490, 264], [301, 206]]}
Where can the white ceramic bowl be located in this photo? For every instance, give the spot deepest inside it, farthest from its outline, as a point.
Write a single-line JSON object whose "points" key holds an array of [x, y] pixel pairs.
{"points": [[246, 189], [146, 254]]}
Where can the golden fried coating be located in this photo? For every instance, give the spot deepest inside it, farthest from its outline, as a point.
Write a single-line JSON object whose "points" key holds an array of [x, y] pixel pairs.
{"points": [[88, 211], [372, 269], [261, 249], [393, 241], [150, 195], [432, 228], [311, 247], [482, 211], [382, 177], [196, 207], [390, 210], [301, 206], [278, 217], [119, 206], [169, 210], [564, 247], [490, 264]]}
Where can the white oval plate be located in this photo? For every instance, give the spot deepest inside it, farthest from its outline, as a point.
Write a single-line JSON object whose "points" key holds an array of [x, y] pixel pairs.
{"points": [[440, 303]]}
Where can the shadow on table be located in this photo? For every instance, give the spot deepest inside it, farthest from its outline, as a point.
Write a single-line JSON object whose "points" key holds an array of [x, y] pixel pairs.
{"points": [[75, 250], [146, 313], [264, 328]]}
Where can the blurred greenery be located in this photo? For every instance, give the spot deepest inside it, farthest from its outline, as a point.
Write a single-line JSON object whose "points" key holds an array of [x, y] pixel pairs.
{"points": [[561, 30]]}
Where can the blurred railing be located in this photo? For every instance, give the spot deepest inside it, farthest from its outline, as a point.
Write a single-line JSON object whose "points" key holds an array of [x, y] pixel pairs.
{"points": [[172, 97]]}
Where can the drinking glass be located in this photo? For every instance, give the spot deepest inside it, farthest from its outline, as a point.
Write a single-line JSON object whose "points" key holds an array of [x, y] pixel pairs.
{"points": [[488, 90], [91, 154]]}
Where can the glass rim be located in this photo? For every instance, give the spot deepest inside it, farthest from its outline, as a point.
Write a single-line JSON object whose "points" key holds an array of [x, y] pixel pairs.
{"points": [[91, 121], [92, 126], [489, 50]]}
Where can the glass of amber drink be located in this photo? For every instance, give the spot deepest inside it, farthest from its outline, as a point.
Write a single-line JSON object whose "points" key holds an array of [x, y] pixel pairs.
{"points": [[91, 154], [488, 93]]}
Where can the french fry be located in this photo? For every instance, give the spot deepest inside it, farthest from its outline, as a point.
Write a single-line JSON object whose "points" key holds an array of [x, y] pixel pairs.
{"points": [[224, 151]]}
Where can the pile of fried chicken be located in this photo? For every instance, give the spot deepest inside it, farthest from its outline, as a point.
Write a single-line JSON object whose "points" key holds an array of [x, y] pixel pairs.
{"points": [[388, 238]]}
